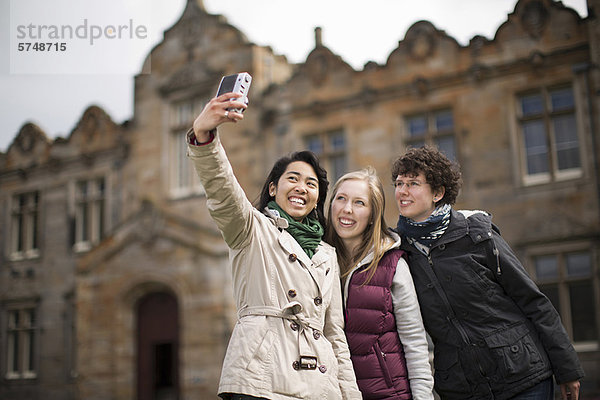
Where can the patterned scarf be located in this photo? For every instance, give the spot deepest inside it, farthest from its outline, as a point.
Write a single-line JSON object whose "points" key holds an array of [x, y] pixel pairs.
{"points": [[308, 233], [428, 231]]}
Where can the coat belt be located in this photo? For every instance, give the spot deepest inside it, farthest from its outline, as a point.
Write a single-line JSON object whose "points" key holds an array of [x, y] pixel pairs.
{"points": [[292, 312]]}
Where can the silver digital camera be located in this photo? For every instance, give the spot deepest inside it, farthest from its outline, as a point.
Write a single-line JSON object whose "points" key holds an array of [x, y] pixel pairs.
{"points": [[236, 83]]}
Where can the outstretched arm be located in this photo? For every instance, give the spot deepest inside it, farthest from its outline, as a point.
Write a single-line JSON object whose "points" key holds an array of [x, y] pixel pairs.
{"points": [[226, 200]]}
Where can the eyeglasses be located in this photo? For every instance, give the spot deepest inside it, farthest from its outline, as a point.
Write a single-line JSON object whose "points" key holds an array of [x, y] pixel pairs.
{"points": [[411, 184]]}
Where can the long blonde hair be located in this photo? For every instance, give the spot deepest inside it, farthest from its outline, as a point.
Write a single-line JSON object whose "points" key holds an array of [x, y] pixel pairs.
{"points": [[375, 236]]}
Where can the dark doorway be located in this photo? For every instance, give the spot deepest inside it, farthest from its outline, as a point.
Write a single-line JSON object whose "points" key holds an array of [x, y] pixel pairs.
{"points": [[157, 347]]}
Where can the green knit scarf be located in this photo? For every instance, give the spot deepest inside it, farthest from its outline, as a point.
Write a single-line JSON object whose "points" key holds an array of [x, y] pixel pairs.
{"points": [[308, 233]]}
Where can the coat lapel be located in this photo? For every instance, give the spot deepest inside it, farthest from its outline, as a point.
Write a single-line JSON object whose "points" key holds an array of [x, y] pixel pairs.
{"points": [[292, 248]]}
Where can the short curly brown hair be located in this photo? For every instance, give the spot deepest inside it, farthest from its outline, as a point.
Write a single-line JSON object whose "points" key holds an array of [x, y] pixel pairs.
{"points": [[439, 171]]}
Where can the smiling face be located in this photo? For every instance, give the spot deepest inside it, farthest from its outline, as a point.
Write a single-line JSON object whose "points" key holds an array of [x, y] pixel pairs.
{"points": [[415, 198], [351, 211], [297, 190]]}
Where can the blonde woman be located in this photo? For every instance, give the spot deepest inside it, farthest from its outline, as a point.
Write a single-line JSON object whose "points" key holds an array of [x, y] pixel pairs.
{"points": [[385, 333]]}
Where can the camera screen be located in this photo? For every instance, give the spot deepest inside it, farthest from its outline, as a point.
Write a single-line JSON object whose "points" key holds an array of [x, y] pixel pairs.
{"points": [[227, 84]]}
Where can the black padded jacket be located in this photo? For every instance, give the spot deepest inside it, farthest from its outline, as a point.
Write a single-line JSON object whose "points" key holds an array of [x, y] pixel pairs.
{"points": [[494, 333]]}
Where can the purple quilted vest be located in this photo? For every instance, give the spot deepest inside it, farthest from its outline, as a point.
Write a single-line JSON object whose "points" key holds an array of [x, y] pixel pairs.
{"points": [[376, 351]]}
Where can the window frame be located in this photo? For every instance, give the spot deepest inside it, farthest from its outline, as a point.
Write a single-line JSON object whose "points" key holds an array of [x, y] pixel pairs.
{"points": [[562, 282], [25, 235], [25, 333], [182, 179], [91, 223], [431, 134], [547, 116], [328, 152]]}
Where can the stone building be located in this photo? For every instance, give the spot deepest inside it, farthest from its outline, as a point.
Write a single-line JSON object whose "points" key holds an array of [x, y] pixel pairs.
{"points": [[114, 282]]}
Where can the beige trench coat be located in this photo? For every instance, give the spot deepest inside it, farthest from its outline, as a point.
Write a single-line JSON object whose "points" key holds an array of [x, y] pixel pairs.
{"points": [[288, 341]]}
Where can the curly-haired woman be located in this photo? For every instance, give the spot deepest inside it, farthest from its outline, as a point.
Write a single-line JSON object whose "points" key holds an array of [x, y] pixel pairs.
{"points": [[495, 335]]}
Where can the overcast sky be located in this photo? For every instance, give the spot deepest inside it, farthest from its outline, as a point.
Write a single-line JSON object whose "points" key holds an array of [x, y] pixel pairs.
{"points": [[53, 88]]}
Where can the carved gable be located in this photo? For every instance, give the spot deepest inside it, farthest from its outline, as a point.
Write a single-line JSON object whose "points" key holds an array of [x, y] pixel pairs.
{"points": [[425, 49], [95, 131], [29, 148], [540, 25]]}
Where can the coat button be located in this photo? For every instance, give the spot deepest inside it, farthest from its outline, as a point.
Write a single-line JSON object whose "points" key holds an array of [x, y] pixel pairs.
{"points": [[326, 272], [442, 247], [322, 368], [292, 257], [294, 326], [318, 300], [292, 293], [296, 365], [316, 335]]}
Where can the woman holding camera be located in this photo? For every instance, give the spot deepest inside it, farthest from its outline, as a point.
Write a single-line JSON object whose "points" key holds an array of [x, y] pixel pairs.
{"points": [[288, 341]]}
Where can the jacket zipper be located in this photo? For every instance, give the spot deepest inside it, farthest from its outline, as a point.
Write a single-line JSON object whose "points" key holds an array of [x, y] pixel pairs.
{"points": [[381, 357], [454, 322]]}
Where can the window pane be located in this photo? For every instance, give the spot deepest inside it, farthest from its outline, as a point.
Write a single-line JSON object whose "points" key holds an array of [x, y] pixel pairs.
{"points": [[444, 121], [185, 113], [34, 229], [579, 264], [551, 292], [13, 320], [583, 312], [82, 189], [20, 223], [182, 161], [84, 222], [562, 99], [28, 357], [337, 141], [546, 267], [13, 351], [338, 166], [99, 221], [567, 144], [13, 342], [446, 145], [29, 318], [314, 144], [536, 147], [416, 144], [417, 126], [100, 183], [532, 105]]}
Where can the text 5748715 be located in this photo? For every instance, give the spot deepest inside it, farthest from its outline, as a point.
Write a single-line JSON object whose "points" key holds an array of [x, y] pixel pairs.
{"points": [[42, 46]]}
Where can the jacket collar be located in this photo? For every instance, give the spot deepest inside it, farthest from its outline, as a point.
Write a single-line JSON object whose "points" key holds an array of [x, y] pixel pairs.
{"points": [[368, 258], [279, 222], [473, 223]]}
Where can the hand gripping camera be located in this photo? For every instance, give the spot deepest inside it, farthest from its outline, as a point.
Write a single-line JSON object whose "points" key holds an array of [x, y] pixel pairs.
{"points": [[236, 83]]}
